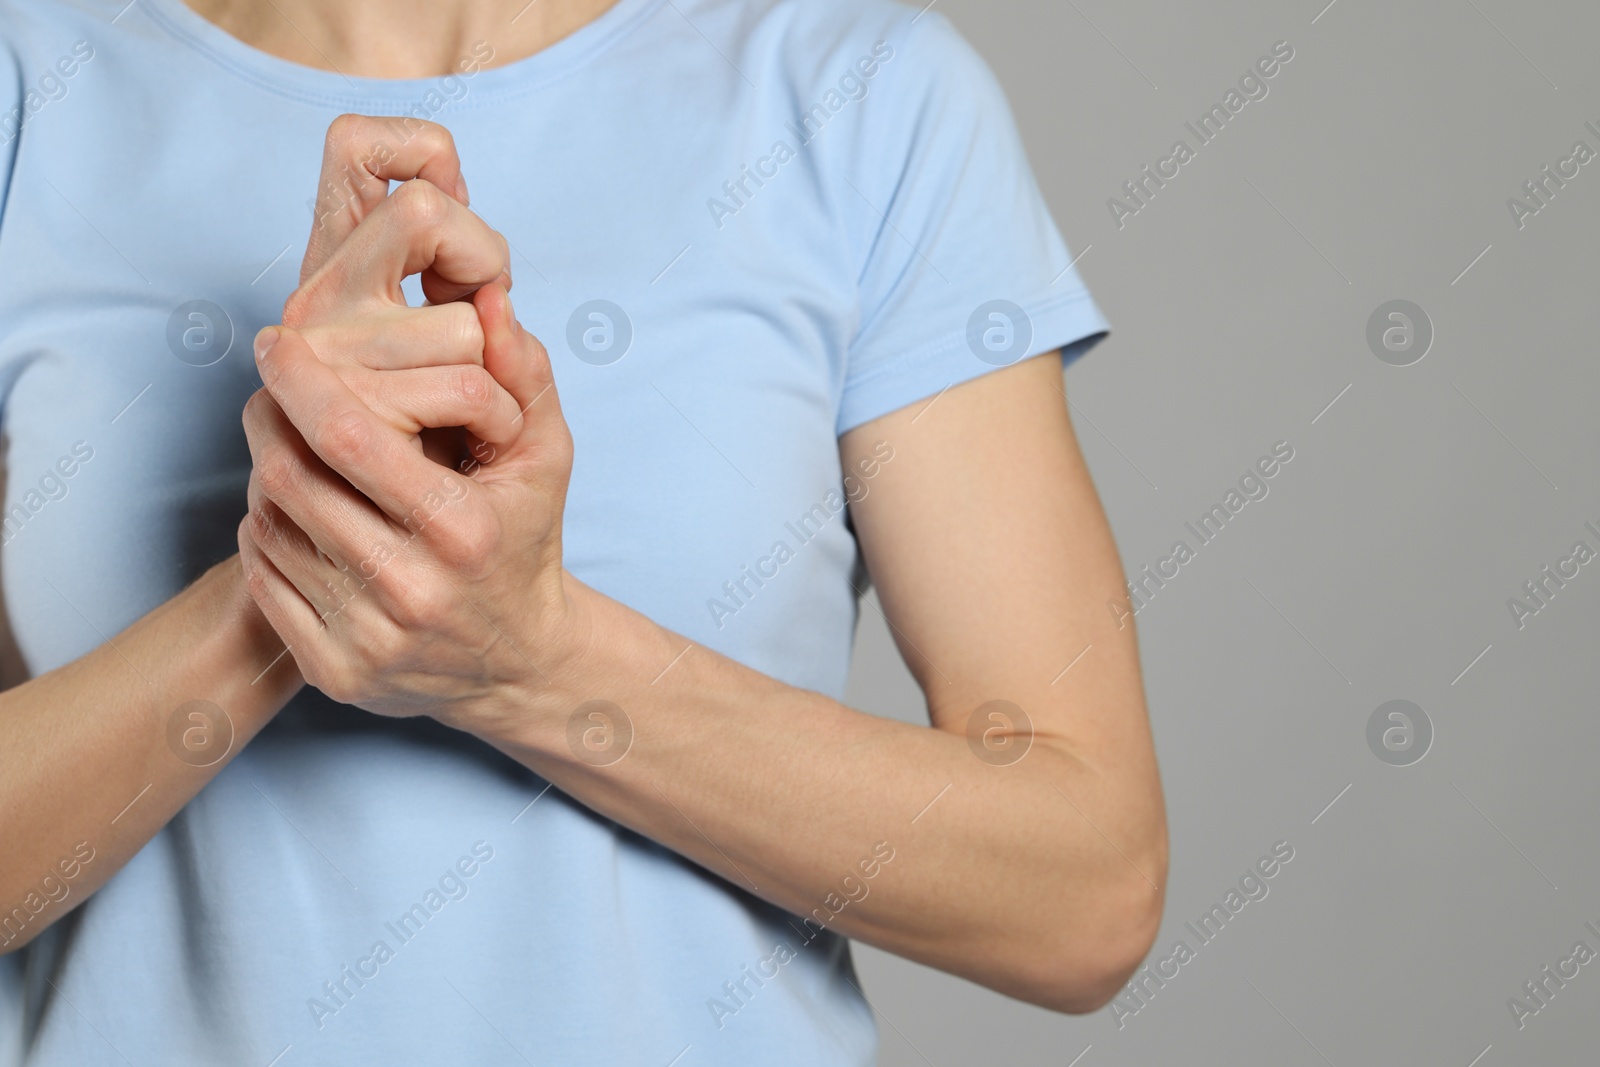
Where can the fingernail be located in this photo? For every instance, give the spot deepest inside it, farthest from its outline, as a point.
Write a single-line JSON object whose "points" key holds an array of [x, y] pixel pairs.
{"points": [[265, 340], [461, 187]]}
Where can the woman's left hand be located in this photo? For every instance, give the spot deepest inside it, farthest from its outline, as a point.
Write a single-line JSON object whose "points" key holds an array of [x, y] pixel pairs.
{"points": [[400, 585]]}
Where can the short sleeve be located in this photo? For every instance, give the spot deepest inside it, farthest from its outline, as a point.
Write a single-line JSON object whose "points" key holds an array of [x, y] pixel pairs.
{"points": [[11, 115], [963, 268], [13, 101]]}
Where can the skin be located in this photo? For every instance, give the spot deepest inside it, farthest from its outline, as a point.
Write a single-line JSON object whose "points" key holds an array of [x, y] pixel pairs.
{"points": [[407, 586], [105, 775], [398, 38]]}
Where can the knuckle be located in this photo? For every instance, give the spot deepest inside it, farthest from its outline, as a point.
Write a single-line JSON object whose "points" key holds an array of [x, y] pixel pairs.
{"points": [[473, 385], [440, 141], [297, 308], [343, 130], [275, 473], [343, 438], [416, 606], [255, 579], [390, 588], [467, 543], [420, 205], [263, 527]]}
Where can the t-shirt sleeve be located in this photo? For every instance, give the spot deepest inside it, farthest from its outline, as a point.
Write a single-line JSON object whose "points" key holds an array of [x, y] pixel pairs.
{"points": [[963, 270], [11, 115], [13, 100]]}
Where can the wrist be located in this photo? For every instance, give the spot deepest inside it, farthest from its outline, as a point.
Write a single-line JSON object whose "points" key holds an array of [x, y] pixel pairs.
{"points": [[578, 655], [262, 675]]}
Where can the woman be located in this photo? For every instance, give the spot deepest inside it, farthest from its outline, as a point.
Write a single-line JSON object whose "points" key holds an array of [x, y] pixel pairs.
{"points": [[283, 786]]}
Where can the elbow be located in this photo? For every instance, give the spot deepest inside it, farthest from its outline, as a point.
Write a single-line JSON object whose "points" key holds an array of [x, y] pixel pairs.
{"points": [[1081, 964], [1097, 976]]}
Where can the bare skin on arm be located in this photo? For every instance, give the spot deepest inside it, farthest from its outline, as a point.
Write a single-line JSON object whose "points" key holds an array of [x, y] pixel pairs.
{"points": [[1042, 878], [87, 767]]}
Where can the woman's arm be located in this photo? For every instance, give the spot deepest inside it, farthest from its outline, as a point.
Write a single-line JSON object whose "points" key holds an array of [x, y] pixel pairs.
{"points": [[1040, 876], [97, 756], [92, 765]]}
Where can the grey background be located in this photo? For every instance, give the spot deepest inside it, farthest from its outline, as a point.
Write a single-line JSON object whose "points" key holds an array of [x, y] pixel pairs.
{"points": [[1377, 168]]}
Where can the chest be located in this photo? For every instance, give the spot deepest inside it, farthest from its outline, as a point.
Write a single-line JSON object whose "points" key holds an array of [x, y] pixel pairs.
{"points": [[699, 359]]}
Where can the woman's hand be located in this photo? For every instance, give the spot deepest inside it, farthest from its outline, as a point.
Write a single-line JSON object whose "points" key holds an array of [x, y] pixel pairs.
{"points": [[365, 376], [407, 587], [401, 585], [419, 368]]}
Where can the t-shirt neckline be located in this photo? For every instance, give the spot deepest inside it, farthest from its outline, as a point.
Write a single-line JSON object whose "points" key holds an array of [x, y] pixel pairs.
{"points": [[330, 88]]}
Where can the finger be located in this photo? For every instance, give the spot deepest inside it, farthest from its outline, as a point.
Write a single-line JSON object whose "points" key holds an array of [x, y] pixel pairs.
{"points": [[516, 359], [429, 397], [340, 522], [294, 619], [375, 458], [360, 157], [415, 227], [300, 561], [307, 549], [438, 289], [399, 338]]}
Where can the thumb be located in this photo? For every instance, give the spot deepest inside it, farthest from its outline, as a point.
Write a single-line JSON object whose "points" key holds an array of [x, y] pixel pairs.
{"points": [[516, 359]]}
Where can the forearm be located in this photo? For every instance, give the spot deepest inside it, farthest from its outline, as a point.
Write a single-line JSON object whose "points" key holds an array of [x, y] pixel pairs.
{"points": [[1037, 878], [92, 765]]}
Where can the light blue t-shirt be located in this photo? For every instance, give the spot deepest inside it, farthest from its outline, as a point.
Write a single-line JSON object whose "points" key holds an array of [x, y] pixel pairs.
{"points": [[741, 227]]}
